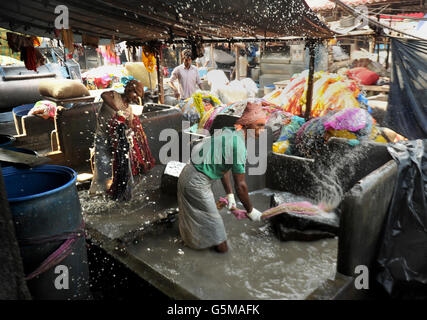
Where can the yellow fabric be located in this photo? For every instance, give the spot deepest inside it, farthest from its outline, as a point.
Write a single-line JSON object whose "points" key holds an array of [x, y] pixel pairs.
{"points": [[280, 146], [205, 117], [342, 134], [376, 136], [149, 60]]}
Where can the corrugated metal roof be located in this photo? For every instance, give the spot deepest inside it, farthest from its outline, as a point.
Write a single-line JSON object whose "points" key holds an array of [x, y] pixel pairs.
{"points": [[161, 19]]}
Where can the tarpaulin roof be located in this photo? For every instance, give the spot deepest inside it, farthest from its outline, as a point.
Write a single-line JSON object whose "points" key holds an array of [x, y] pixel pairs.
{"points": [[318, 5], [162, 19]]}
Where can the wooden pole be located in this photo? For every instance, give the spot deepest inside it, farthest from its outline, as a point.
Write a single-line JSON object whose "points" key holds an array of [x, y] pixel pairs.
{"points": [[378, 48], [388, 49], [212, 55], [372, 45], [310, 45], [388, 53], [160, 76], [236, 49]]}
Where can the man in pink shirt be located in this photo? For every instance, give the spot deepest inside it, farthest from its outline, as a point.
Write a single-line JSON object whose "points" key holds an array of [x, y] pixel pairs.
{"points": [[187, 76]]}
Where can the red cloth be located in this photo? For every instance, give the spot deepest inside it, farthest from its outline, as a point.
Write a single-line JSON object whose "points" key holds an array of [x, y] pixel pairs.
{"points": [[141, 158], [253, 113], [140, 155], [28, 55], [363, 75]]}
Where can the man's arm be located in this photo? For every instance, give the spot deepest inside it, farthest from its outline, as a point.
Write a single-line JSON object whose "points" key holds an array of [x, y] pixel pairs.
{"points": [[226, 183], [198, 81], [171, 84], [242, 190], [108, 98]]}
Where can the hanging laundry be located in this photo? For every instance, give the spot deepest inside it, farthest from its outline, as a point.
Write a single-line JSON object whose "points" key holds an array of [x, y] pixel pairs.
{"points": [[67, 39], [28, 55], [120, 187], [88, 40], [131, 155], [13, 42], [148, 58]]}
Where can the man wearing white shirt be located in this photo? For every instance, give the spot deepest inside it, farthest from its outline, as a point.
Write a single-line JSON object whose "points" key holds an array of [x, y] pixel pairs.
{"points": [[187, 76]]}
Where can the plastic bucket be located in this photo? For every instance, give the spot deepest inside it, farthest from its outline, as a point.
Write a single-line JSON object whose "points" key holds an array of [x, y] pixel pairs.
{"points": [[18, 113], [48, 223], [22, 110], [268, 89]]}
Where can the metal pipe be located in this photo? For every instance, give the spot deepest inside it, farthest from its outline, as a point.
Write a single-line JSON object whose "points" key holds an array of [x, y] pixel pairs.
{"points": [[29, 76]]}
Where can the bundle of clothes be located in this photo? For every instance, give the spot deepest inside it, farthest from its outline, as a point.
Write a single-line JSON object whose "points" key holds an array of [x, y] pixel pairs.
{"points": [[104, 77], [339, 109], [26, 46], [131, 155], [195, 107], [44, 108], [330, 92], [354, 124]]}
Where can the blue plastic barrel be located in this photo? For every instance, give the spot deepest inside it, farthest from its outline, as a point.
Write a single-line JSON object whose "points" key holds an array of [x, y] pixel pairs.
{"points": [[47, 216], [22, 110]]}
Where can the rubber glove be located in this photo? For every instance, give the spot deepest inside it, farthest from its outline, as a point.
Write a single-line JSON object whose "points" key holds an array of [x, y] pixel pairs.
{"points": [[231, 201], [255, 215]]}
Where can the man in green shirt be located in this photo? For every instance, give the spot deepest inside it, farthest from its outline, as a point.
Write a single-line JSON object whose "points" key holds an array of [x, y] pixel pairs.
{"points": [[221, 156]]}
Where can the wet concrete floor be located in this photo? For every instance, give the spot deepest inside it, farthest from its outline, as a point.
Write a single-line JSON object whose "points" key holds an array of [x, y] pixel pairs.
{"points": [[257, 265]]}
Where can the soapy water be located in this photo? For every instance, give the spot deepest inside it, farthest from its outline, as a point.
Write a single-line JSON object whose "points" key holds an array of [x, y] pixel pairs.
{"points": [[257, 266], [332, 175]]}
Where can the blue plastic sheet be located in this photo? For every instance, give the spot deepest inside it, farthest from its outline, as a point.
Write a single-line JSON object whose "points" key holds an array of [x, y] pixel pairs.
{"points": [[407, 103]]}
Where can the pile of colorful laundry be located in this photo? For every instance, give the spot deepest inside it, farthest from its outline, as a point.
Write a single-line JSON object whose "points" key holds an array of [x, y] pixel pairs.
{"points": [[274, 115], [354, 124], [200, 103], [339, 109], [330, 92], [104, 77]]}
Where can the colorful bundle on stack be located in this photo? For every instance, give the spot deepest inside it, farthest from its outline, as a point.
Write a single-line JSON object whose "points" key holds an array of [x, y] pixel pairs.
{"points": [[275, 116], [354, 124], [195, 107], [104, 77], [287, 134], [44, 108], [330, 92]]}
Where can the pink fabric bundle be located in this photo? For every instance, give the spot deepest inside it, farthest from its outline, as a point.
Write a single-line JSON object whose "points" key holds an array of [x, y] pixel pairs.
{"points": [[44, 108], [303, 207], [238, 213], [352, 119]]}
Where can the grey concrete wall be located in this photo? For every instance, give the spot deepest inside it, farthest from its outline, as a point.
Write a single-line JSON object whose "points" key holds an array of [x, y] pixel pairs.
{"points": [[364, 211]]}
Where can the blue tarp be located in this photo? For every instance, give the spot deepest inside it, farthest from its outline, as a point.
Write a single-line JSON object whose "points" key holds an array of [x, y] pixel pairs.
{"points": [[407, 102]]}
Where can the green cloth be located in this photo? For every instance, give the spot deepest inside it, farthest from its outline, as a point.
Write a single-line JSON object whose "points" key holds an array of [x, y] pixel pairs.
{"points": [[222, 152]]}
